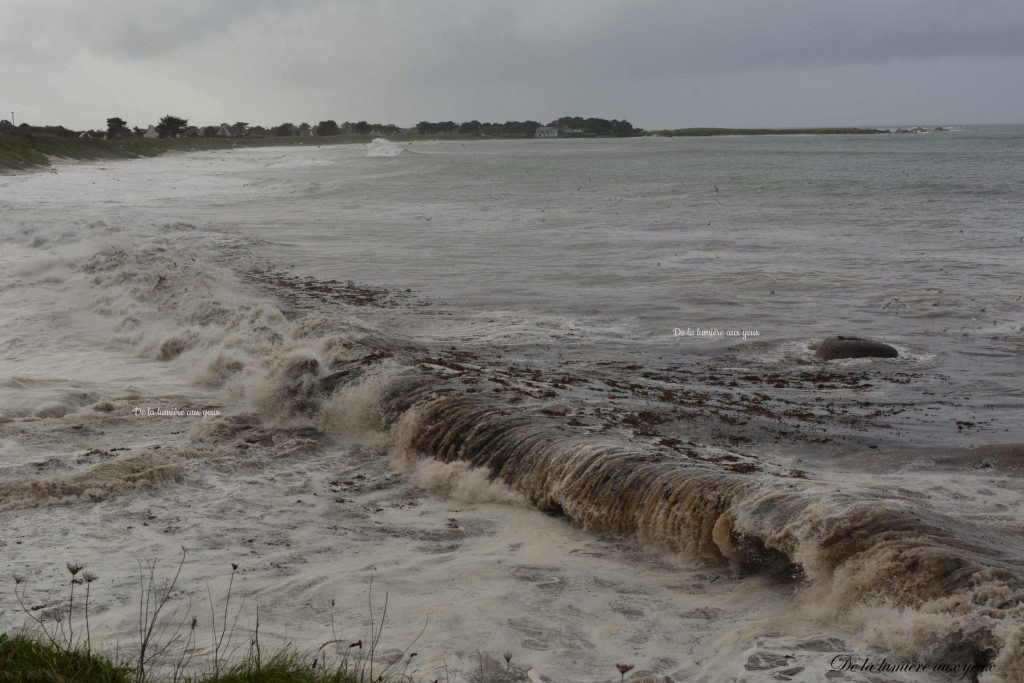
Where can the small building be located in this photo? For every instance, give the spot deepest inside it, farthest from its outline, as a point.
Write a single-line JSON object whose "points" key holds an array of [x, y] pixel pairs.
{"points": [[546, 132], [224, 131], [151, 133]]}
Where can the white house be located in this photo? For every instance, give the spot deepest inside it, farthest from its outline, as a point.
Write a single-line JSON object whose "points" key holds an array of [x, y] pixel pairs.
{"points": [[151, 133], [546, 132], [224, 131]]}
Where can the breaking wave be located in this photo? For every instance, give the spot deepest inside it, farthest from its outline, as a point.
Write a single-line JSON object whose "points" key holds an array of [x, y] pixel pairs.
{"points": [[950, 587], [381, 147], [112, 475]]}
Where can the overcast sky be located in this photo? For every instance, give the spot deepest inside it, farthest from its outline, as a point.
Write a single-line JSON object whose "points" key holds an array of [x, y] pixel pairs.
{"points": [[658, 63]]}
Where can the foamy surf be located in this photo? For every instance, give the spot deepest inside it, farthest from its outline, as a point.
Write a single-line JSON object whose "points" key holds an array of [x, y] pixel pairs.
{"points": [[381, 147], [715, 515]]}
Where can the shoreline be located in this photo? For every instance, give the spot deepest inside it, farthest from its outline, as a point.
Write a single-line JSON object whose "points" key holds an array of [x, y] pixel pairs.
{"points": [[701, 132], [26, 154]]}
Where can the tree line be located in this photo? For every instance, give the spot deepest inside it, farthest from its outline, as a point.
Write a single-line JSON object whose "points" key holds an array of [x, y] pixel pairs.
{"points": [[171, 126], [566, 125]]}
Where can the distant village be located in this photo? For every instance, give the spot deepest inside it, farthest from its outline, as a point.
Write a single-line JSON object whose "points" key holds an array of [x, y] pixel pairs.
{"points": [[171, 126]]}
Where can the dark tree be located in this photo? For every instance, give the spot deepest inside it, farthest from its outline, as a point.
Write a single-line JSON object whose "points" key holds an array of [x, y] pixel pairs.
{"points": [[238, 129], [470, 128], [171, 126], [283, 131], [570, 122], [361, 128], [117, 127], [622, 129], [328, 127], [210, 132]]}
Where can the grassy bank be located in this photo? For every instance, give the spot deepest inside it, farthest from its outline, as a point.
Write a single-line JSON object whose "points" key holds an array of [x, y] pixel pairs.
{"points": [[21, 153], [23, 659], [709, 132], [27, 660]]}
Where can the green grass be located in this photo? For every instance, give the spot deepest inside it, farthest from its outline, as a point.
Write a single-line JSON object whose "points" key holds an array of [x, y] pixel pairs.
{"points": [[23, 153], [27, 660], [287, 667], [24, 660]]}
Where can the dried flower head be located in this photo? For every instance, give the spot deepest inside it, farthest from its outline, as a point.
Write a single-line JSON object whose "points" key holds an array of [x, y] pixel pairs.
{"points": [[234, 567], [193, 623], [358, 643], [624, 668], [508, 657], [89, 577], [18, 578], [74, 568]]}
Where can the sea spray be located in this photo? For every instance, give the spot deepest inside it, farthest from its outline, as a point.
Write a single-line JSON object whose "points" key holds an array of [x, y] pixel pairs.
{"points": [[381, 147]]}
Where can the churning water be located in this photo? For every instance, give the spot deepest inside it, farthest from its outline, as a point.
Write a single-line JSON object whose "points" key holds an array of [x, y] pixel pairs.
{"points": [[558, 398]]}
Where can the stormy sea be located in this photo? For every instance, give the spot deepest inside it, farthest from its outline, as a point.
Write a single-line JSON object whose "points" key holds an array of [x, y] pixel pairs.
{"points": [[537, 410]]}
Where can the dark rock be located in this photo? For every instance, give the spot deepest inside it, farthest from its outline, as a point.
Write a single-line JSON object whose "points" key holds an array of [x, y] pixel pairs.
{"points": [[854, 347], [555, 409]]}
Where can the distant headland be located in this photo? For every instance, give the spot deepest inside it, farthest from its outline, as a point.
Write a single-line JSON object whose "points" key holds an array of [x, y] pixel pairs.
{"points": [[26, 146]]}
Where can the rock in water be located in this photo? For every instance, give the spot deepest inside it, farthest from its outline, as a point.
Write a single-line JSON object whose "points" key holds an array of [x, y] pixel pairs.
{"points": [[854, 347]]}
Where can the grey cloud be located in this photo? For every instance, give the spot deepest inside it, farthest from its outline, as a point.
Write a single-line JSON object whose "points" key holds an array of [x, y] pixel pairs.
{"points": [[403, 60], [743, 36], [126, 28]]}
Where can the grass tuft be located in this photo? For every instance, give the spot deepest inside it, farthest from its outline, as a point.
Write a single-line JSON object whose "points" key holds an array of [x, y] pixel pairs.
{"points": [[288, 667], [25, 660]]}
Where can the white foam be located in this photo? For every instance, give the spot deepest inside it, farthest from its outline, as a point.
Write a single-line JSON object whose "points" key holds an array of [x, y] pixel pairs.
{"points": [[381, 147]]}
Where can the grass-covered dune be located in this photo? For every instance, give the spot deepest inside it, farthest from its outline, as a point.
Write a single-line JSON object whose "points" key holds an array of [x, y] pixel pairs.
{"points": [[708, 132], [21, 153]]}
